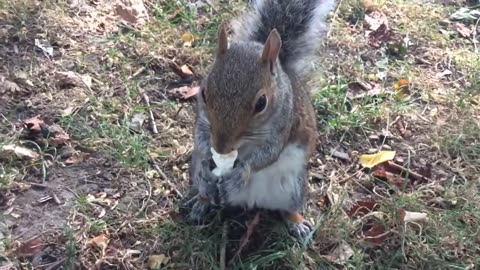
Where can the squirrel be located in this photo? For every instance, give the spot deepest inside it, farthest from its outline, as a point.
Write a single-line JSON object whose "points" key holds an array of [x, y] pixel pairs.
{"points": [[256, 100]]}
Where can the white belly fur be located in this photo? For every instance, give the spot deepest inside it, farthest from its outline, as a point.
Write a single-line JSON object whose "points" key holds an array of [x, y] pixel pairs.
{"points": [[275, 186]]}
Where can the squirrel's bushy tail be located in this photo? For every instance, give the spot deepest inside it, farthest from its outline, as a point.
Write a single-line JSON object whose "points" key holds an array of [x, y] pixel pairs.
{"points": [[301, 24]]}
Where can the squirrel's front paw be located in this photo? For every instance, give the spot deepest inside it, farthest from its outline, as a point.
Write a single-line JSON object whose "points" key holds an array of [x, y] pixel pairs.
{"points": [[300, 229], [200, 209]]}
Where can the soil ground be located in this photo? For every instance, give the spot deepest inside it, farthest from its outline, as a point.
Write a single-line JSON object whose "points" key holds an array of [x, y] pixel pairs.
{"points": [[92, 185]]}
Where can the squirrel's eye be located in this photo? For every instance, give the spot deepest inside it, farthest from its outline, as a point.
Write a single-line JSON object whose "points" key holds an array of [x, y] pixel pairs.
{"points": [[261, 104]]}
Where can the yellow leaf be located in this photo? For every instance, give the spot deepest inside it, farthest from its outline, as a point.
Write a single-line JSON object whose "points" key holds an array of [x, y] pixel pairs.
{"points": [[402, 83], [156, 261], [401, 89], [370, 161], [187, 37], [100, 242]]}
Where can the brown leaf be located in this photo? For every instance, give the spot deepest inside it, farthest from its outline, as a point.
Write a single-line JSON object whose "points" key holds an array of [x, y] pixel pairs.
{"points": [[101, 242], [7, 86], [369, 5], [360, 89], [380, 36], [374, 234], [30, 248], [463, 30], [155, 261], [185, 92], [376, 19], [132, 11], [75, 159], [34, 123], [361, 208], [69, 78], [20, 151]]}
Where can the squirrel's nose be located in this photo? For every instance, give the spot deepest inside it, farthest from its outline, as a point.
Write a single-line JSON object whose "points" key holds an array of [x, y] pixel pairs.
{"points": [[221, 145]]}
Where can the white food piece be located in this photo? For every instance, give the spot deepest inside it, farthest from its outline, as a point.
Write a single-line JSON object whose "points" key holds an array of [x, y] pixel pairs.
{"points": [[224, 162]]}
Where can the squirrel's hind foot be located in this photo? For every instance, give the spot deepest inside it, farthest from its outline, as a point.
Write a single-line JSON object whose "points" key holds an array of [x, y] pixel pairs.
{"points": [[299, 228]]}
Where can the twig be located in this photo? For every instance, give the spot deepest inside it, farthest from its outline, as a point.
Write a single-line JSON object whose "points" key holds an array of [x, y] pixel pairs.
{"points": [[140, 70], [145, 202], [223, 247], [37, 185], [152, 119], [164, 176], [243, 242], [412, 174]]}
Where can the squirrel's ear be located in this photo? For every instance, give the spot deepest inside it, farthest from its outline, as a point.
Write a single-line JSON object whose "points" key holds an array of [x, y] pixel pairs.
{"points": [[222, 38], [271, 48]]}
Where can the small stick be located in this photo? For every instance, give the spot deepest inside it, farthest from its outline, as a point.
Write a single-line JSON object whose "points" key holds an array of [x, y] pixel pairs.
{"points": [[37, 185], [140, 70], [164, 176], [223, 248], [414, 175], [243, 242], [152, 118], [56, 199]]}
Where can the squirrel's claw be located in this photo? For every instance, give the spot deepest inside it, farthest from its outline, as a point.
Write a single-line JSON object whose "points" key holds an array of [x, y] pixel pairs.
{"points": [[301, 231], [200, 210]]}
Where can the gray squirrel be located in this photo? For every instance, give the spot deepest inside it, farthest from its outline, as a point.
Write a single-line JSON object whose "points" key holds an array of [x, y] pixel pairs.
{"points": [[256, 100]]}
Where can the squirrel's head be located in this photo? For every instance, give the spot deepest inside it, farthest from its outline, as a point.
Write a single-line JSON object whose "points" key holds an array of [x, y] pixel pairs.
{"points": [[239, 93]]}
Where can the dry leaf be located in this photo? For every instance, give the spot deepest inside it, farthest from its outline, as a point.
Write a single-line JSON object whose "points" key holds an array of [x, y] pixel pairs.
{"points": [[70, 78], [375, 234], [341, 253], [369, 161], [75, 159], [34, 123], [102, 199], [30, 248], [20, 151], [380, 36], [132, 11], [376, 19], [137, 122], [444, 73], [7, 86], [45, 46], [22, 187], [360, 89], [185, 92], [407, 216], [155, 261], [463, 30], [362, 208], [101, 242], [188, 39], [401, 89], [369, 5]]}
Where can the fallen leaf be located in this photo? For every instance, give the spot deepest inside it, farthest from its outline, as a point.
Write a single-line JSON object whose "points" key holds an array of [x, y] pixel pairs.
{"points": [[67, 79], [401, 89], [370, 161], [340, 155], [77, 158], [341, 253], [22, 187], [155, 261], [407, 216], [188, 39], [7, 86], [360, 89], [20, 151], [375, 20], [45, 46], [68, 111], [132, 11], [362, 208], [30, 248], [56, 135], [463, 30], [102, 199], [34, 123], [466, 15], [369, 5], [375, 234], [185, 92], [185, 72], [137, 122], [444, 73], [380, 36], [101, 242]]}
